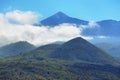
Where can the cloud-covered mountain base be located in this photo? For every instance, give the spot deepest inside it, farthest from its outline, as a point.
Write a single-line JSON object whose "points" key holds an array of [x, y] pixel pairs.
{"points": [[19, 26]]}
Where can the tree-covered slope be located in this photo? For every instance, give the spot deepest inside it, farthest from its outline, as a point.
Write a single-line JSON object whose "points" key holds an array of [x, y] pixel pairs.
{"points": [[52, 69], [81, 50], [14, 49]]}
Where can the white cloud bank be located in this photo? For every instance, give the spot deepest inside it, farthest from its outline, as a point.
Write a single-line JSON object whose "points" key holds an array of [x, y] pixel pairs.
{"points": [[17, 26], [37, 35], [22, 17]]}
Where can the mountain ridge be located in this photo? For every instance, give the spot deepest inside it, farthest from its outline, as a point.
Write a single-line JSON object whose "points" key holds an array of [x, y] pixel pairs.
{"points": [[81, 50], [106, 27], [16, 48], [60, 18], [111, 49]]}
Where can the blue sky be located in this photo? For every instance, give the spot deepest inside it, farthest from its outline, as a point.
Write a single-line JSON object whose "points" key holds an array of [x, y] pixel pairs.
{"points": [[83, 9]]}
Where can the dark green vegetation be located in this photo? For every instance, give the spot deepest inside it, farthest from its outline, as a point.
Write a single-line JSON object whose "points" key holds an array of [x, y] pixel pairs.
{"points": [[39, 64], [111, 49], [15, 49], [81, 50], [56, 70]]}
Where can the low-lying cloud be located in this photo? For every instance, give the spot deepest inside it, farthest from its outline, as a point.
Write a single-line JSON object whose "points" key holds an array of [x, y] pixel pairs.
{"points": [[17, 26], [91, 24]]}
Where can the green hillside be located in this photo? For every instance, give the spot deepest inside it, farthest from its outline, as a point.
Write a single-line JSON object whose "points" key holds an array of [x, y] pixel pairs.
{"points": [[38, 65], [14, 49], [79, 49]]}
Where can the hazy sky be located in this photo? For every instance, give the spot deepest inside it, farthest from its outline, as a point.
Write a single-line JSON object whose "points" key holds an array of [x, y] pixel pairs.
{"points": [[83, 9]]}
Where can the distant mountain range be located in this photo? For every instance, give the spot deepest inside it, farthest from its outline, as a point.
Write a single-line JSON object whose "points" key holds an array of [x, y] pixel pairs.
{"points": [[111, 49], [76, 49], [106, 27]]}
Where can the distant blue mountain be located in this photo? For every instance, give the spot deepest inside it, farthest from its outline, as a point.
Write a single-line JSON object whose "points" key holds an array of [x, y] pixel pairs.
{"points": [[60, 18], [111, 49], [107, 28]]}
